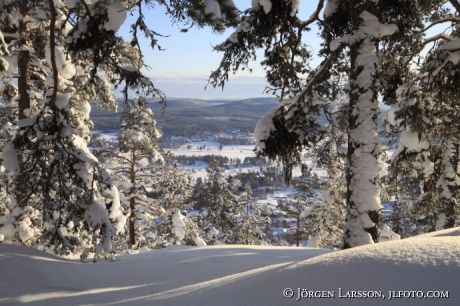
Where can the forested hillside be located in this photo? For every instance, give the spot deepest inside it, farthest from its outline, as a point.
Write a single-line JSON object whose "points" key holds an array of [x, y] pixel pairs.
{"points": [[195, 116]]}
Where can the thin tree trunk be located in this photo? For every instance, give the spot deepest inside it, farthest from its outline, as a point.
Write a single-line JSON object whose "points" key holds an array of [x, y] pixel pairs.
{"points": [[297, 234], [23, 63], [24, 99], [247, 221], [132, 202], [214, 203]]}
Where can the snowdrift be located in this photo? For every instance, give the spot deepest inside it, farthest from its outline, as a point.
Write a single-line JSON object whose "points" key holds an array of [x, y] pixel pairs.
{"points": [[404, 270]]}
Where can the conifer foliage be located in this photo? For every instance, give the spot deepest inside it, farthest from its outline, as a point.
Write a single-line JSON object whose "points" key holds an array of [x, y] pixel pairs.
{"points": [[135, 162], [250, 217], [295, 205], [68, 54], [368, 47], [424, 169], [216, 220], [175, 190]]}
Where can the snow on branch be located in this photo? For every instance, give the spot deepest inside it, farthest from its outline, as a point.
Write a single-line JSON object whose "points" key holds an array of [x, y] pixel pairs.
{"points": [[371, 27]]}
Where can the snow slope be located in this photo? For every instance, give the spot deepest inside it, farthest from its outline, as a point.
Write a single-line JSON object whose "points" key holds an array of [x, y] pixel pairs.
{"points": [[236, 275]]}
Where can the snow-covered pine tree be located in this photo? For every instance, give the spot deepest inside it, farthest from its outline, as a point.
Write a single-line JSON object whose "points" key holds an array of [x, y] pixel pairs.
{"points": [[376, 39], [427, 157], [361, 36], [173, 192], [325, 218], [30, 35], [134, 164], [216, 221], [72, 43], [250, 218], [53, 161], [24, 40], [295, 204], [353, 32]]}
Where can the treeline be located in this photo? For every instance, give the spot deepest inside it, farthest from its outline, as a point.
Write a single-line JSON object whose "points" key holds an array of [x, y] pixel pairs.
{"points": [[236, 140], [188, 160]]}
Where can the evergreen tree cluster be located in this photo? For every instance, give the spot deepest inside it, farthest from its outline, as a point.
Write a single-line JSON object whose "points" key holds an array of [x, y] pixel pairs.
{"points": [[56, 58], [370, 49]]}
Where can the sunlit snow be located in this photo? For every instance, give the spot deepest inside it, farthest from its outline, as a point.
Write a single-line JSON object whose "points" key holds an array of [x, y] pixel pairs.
{"points": [[237, 275]]}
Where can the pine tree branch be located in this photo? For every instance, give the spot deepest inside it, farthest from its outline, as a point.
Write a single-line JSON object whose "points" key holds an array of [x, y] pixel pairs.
{"points": [[122, 171], [315, 16], [454, 20], [456, 5], [124, 158], [320, 72], [426, 42]]}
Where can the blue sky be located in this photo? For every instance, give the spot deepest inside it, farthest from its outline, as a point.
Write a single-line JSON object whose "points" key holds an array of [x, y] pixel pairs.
{"points": [[183, 68]]}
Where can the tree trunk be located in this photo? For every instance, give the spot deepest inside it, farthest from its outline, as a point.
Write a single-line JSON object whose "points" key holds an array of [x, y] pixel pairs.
{"points": [[247, 222], [24, 99], [363, 199], [214, 204], [132, 203], [297, 234], [449, 188], [23, 63]]}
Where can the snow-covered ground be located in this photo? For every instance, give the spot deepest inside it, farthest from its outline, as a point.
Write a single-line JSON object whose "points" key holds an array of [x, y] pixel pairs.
{"points": [[212, 148], [230, 151], [241, 275]]}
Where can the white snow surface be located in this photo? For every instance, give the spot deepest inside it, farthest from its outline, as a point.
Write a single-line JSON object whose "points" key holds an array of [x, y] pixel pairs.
{"points": [[82, 150], [244, 26], [117, 16], [62, 100], [410, 141], [10, 158], [264, 126], [212, 7], [236, 275], [331, 7], [10, 63], [391, 116], [371, 27], [266, 5], [179, 225]]}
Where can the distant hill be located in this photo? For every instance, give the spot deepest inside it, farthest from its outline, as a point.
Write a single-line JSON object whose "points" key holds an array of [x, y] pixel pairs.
{"points": [[190, 117]]}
